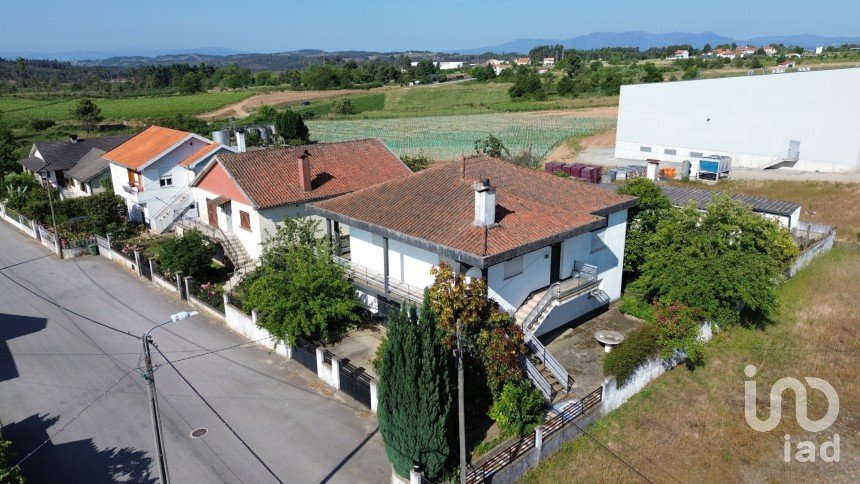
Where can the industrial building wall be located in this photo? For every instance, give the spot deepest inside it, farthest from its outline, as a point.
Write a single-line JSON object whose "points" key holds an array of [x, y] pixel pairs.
{"points": [[751, 119]]}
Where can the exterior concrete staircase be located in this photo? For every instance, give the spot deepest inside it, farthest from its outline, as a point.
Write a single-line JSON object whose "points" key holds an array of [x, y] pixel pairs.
{"points": [[233, 248], [173, 210]]}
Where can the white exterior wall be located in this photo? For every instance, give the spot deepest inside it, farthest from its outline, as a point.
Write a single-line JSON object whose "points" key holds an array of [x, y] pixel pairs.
{"points": [[510, 293], [750, 118], [405, 263]]}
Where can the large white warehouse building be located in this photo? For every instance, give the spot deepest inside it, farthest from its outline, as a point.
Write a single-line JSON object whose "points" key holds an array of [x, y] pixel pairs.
{"points": [[804, 121]]}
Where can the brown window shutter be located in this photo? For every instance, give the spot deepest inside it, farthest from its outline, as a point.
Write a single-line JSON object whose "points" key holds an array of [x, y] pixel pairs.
{"points": [[244, 220]]}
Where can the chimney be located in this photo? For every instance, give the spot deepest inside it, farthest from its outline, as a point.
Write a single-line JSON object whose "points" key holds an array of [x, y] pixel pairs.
{"points": [[73, 138], [240, 140], [305, 171], [652, 170], [485, 203]]}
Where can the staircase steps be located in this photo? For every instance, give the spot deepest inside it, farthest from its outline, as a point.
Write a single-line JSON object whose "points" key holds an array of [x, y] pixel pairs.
{"points": [[557, 387]]}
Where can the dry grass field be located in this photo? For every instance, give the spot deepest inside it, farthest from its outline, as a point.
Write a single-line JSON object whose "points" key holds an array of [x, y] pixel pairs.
{"points": [[689, 426]]}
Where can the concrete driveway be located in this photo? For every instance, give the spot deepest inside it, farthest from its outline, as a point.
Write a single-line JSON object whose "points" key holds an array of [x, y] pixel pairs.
{"points": [[64, 341]]}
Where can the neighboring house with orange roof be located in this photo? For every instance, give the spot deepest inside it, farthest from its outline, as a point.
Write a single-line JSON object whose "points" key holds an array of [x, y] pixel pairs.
{"points": [[247, 195], [153, 170]]}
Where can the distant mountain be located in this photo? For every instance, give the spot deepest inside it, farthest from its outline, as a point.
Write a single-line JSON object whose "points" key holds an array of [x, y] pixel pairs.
{"points": [[77, 55], [645, 40]]}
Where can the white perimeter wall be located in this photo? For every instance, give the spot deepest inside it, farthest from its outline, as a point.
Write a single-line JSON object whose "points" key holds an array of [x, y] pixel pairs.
{"points": [[752, 118]]}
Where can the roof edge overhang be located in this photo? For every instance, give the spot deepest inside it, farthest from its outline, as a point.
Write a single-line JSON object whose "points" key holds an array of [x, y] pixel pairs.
{"points": [[162, 153], [475, 260], [215, 160]]}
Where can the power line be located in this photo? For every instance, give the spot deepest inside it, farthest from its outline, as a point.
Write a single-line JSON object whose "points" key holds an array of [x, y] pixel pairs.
{"points": [[74, 418], [613, 453], [220, 349], [86, 318], [642, 455], [202, 398]]}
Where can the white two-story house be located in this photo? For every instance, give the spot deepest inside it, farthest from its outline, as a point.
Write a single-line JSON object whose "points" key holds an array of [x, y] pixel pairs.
{"points": [[550, 249], [246, 195], [153, 171]]}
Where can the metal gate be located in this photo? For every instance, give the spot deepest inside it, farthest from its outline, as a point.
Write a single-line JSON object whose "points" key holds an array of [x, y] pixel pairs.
{"points": [[306, 354], [144, 268], [355, 383]]}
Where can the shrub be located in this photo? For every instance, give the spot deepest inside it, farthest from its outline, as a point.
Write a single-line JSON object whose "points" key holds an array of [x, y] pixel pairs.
{"points": [[416, 162], [636, 348], [517, 410], [343, 106], [191, 254], [8, 474], [677, 328], [637, 307], [291, 127], [266, 113], [42, 124]]}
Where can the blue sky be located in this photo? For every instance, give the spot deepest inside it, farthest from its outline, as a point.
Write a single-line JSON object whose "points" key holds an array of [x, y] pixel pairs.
{"points": [[272, 26]]}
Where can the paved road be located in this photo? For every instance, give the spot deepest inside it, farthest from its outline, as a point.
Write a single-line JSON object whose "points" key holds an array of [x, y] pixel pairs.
{"points": [[56, 358]]}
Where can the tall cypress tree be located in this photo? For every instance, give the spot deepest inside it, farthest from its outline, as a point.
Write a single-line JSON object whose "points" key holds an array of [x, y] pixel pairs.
{"points": [[415, 395]]}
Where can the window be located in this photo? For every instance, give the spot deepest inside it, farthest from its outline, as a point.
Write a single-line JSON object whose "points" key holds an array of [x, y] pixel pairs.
{"points": [[667, 151], [696, 154], [166, 180], [513, 267], [244, 220], [645, 149]]}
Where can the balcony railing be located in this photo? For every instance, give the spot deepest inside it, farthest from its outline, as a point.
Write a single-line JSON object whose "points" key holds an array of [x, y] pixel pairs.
{"points": [[397, 289], [132, 188]]}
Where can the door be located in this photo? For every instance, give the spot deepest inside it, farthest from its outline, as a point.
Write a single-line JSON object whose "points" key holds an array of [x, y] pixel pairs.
{"points": [[228, 216], [793, 150], [212, 210], [555, 263]]}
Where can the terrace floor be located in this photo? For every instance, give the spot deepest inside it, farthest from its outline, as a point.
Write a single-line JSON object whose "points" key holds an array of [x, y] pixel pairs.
{"points": [[359, 347], [579, 352]]}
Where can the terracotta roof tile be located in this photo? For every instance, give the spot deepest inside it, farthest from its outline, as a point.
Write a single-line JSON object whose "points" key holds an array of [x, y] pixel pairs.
{"points": [[270, 177], [437, 206], [137, 151], [199, 154]]}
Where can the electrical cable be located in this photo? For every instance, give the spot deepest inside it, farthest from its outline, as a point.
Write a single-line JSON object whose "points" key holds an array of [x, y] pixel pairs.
{"points": [[202, 398]]}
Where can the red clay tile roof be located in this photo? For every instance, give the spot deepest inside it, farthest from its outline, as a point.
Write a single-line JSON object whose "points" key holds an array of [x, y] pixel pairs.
{"points": [[137, 151], [270, 177], [199, 154], [436, 206]]}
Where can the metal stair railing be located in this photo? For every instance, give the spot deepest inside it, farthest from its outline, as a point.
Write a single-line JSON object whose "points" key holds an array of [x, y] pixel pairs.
{"points": [[583, 276], [551, 364], [535, 376], [171, 207]]}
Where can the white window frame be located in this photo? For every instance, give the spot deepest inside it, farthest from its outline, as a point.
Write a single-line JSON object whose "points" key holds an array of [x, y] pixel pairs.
{"points": [[513, 267], [165, 180]]}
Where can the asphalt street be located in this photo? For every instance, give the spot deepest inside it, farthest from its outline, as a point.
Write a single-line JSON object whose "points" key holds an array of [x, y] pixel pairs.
{"points": [[69, 331]]}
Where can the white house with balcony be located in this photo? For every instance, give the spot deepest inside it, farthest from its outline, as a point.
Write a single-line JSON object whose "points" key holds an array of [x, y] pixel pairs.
{"points": [[153, 171], [550, 249]]}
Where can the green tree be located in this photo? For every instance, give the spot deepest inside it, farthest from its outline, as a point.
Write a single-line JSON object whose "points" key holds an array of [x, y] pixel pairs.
{"points": [[291, 127], [491, 146], [87, 113], [266, 113], [717, 261], [690, 73], [300, 292], [191, 253], [528, 86], [8, 145], [641, 221], [565, 86], [190, 83], [343, 106], [8, 474], [416, 162], [415, 394], [483, 73], [518, 409], [652, 73]]}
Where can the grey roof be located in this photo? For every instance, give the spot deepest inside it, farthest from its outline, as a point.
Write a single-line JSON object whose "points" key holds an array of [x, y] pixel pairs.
{"points": [[32, 163], [90, 166], [680, 196], [62, 155]]}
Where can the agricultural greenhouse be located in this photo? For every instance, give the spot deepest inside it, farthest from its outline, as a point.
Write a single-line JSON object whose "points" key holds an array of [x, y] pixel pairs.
{"points": [[447, 137]]}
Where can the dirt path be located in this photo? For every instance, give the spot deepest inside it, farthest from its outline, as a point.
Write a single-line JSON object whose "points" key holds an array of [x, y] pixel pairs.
{"points": [[565, 153], [248, 106]]}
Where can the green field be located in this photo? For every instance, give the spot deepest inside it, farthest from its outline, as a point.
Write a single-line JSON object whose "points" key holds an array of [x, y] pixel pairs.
{"points": [[447, 137], [19, 111]]}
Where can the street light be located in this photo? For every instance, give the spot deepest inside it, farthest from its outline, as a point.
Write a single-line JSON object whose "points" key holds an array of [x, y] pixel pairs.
{"points": [[153, 402]]}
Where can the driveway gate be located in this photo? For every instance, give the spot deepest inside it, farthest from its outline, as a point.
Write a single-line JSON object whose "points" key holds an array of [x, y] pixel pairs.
{"points": [[306, 354], [355, 383]]}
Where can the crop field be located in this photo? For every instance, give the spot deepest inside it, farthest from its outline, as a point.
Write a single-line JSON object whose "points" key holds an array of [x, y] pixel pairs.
{"points": [[18, 111], [448, 137]]}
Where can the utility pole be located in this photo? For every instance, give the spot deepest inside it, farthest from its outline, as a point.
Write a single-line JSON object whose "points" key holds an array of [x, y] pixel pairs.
{"points": [[153, 410], [153, 400], [53, 217], [460, 406]]}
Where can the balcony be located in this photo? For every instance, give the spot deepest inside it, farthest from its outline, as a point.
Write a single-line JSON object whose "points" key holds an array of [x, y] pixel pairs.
{"points": [[377, 282]]}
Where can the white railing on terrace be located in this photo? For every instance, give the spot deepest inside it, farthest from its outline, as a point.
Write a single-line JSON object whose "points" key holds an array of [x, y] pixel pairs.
{"points": [[583, 277], [174, 207], [399, 289]]}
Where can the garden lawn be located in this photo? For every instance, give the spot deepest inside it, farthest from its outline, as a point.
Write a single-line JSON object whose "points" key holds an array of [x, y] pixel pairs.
{"points": [[689, 426]]}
